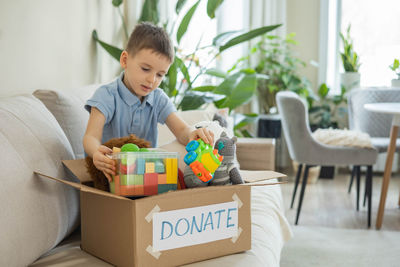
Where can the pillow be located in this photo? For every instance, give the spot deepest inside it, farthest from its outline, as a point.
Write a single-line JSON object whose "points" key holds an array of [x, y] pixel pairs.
{"points": [[338, 137], [67, 108]]}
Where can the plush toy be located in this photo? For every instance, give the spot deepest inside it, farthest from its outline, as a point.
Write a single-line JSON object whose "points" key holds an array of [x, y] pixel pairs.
{"points": [[98, 177], [226, 173]]}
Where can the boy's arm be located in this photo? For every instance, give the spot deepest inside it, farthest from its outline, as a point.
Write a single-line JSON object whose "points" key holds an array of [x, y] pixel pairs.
{"points": [[92, 143], [183, 133]]}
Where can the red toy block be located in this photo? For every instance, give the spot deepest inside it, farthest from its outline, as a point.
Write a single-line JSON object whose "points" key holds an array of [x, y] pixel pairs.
{"points": [[127, 169], [150, 190], [150, 179]]}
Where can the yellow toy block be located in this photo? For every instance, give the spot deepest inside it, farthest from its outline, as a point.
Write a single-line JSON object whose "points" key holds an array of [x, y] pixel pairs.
{"points": [[116, 150], [171, 170], [150, 167]]}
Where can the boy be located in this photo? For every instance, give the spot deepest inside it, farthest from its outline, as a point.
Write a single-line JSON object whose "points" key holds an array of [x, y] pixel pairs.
{"points": [[133, 103]]}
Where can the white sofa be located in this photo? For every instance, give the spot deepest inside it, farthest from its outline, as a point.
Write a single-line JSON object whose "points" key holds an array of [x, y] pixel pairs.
{"points": [[38, 216]]}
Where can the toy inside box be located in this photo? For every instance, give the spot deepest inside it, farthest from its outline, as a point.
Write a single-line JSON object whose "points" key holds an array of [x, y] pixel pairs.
{"points": [[169, 229], [145, 173]]}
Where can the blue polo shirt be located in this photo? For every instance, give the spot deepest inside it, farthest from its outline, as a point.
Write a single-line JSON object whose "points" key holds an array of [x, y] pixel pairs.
{"points": [[125, 114]]}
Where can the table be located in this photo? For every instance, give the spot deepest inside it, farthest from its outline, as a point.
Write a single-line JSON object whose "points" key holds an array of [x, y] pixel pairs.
{"points": [[394, 109]]}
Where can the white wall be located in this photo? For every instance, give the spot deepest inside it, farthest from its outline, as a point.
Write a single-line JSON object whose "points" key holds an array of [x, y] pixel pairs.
{"points": [[303, 19], [47, 44]]}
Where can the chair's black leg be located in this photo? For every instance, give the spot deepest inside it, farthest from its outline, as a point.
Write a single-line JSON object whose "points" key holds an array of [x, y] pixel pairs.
{"points": [[352, 178], [366, 189], [358, 188], [296, 183], [303, 188], [369, 182]]}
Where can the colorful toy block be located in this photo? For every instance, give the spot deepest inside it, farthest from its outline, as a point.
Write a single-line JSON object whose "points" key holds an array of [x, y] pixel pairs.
{"points": [[127, 169], [162, 188], [139, 190], [150, 179], [127, 179], [150, 167], [159, 166], [127, 190], [171, 166], [138, 179], [162, 178], [140, 166]]}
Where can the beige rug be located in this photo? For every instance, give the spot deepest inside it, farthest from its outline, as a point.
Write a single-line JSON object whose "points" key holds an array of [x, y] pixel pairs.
{"points": [[319, 246]]}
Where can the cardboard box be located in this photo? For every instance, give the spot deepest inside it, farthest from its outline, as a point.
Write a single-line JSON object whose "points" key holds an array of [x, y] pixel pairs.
{"points": [[169, 229]]}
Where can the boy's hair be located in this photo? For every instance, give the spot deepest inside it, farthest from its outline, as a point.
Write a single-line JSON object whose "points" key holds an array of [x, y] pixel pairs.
{"points": [[148, 36]]}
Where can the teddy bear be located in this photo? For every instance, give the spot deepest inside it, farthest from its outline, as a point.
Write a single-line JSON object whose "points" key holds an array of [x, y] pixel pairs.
{"points": [[226, 173], [99, 179]]}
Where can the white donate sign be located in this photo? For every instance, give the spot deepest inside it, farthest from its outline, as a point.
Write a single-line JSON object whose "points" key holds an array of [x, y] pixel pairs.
{"points": [[187, 227]]}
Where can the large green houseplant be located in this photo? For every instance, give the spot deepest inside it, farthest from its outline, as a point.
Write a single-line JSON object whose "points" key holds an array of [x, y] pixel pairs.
{"points": [[231, 89]]}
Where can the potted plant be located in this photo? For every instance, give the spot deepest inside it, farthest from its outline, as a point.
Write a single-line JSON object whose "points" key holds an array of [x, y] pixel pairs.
{"points": [[277, 60], [396, 68], [351, 63]]}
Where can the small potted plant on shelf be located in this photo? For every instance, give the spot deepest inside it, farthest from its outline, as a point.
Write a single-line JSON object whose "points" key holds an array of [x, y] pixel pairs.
{"points": [[351, 63], [395, 66]]}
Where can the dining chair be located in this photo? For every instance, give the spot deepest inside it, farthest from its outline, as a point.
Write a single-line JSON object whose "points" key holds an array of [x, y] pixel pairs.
{"points": [[306, 150], [377, 125]]}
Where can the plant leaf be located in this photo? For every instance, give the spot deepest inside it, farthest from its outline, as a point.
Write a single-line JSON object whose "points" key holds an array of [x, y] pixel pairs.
{"points": [[194, 100], [179, 5], [172, 76], [181, 65], [323, 90], [185, 22], [238, 89], [248, 36], [216, 72], [117, 3], [150, 12], [212, 6], [206, 88], [217, 41], [115, 52]]}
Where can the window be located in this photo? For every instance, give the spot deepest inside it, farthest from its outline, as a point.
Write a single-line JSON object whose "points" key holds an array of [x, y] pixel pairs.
{"points": [[376, 39]]}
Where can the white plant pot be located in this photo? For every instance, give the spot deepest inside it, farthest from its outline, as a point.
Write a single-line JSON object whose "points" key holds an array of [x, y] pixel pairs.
{"points": [[350, 80], [395, 82]]}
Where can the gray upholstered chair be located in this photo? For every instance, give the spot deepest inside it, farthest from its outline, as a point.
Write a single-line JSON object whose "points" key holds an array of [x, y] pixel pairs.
{"points": [[377, 125], [306, 150]]}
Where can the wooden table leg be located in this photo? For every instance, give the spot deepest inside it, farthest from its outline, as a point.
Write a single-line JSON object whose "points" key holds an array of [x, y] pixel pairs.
{"points": [[387, 174]]}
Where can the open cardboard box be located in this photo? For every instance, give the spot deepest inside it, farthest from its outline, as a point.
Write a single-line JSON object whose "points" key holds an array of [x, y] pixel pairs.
{"points": [[169, 229]]}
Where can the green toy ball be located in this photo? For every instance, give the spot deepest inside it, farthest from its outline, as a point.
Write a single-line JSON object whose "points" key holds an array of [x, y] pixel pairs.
{"points": [[129, 148]]}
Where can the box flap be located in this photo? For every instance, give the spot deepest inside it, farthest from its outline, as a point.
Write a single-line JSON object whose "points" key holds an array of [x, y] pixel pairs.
{"points": [[78, 168], [256, 176], [73, 184], [82, 187]]}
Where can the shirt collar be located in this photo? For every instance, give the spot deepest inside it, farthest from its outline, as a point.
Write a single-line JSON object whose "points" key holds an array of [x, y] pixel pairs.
{"points": [[129, 98]]}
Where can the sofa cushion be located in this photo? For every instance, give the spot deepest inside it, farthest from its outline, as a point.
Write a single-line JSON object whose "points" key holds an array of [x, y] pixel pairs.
{"points": [[36, 213], [67, 108]]}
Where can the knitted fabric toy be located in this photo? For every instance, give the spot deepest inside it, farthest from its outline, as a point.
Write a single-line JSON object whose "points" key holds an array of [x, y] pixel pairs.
{"points": [[227, 172]]}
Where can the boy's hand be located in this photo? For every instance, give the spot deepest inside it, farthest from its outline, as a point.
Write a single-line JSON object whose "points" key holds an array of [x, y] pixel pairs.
{"points": [[206, 135], [104, 163]]}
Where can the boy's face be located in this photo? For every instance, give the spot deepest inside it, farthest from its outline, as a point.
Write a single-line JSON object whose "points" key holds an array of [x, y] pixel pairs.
{"points": [[144, 71]]}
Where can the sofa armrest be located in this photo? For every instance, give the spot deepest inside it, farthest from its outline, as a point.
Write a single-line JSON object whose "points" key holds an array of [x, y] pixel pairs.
{"points": [[256, 153]]}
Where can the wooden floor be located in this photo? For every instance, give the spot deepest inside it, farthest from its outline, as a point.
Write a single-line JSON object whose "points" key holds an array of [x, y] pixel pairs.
{"points": [[327, 203]]}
